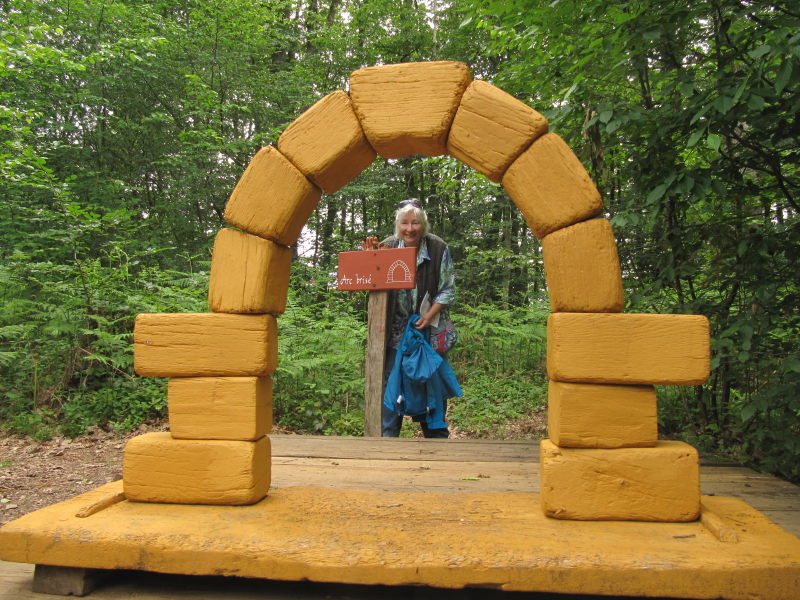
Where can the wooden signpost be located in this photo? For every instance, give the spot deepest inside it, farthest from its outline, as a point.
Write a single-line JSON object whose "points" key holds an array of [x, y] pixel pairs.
{"points": [[376, 271]]}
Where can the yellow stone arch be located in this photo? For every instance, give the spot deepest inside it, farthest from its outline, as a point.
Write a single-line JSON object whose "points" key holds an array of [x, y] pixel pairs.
{"points": [[603, 459]]}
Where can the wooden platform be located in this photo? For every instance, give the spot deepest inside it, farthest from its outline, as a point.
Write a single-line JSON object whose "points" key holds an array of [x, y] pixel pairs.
{"points": [[444, 513]]}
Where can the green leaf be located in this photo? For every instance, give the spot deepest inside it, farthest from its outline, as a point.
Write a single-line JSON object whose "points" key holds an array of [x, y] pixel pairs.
{"points": [[760, 51], [783, 77], [755, 102], [606, 115], [713, 141], [695, 137], [656, 194], [723, 104]]}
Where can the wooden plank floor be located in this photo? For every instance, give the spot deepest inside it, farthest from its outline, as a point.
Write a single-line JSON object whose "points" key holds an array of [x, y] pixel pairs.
{"points": [[483, 466], [402, 465]]}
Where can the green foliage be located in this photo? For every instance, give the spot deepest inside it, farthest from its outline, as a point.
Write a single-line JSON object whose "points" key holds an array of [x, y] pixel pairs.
{"points": [[319, 385]]}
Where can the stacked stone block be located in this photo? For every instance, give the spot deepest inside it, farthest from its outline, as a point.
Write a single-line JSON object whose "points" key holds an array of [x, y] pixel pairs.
{"points": [[603, 459]]}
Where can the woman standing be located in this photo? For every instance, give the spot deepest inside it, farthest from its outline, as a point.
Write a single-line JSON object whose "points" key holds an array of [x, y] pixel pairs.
{"points": [[435, 292]]}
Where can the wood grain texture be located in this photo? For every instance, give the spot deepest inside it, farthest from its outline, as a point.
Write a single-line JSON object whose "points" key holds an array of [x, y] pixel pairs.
{"points": [[623, 484], [220, 408], [272, 199], [327, 143], [550, 186], [204, 345], [491, 129], [373, 368], [408, 108], [248, 274], [585, 415], [159, 468], [582, 268], [630, 349]]}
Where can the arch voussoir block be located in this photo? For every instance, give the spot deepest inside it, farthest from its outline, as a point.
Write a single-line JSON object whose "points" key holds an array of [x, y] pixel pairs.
{"points": [[582, 268], [220, 408], [205, 345], [160, 468], [408, 108], [327, 143], [624, 484], [491, 129], [631, 349], [550, 186], [248, 274], [273, 199], [585, 415]]}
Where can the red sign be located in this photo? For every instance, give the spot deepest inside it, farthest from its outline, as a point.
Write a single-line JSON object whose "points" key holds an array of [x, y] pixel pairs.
{"points": [[387, 269]]}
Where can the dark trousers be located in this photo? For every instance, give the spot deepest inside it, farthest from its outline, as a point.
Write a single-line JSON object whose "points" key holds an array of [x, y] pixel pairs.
{"points": [[393, 422]]}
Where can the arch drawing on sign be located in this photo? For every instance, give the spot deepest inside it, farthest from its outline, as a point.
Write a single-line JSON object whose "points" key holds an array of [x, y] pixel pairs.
{"points": [[405, 272], [603, 459]]}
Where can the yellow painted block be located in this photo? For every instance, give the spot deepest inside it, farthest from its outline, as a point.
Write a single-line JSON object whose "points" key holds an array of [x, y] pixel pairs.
{"points": [[550, 186], [272, 199], [159, 468], [248, 274], [327, 143], [220, 408], [623, 484], [586, 415], [491, 129], [204, 345], [628, 348], [582, 268], [408, 108]]}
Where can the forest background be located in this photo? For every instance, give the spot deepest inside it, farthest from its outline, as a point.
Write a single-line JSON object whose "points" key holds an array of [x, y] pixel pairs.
{"points": [[124, 126]]}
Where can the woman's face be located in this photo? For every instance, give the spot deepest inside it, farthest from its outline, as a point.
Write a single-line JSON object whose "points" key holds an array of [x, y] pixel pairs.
{"points": [[410, 228]]}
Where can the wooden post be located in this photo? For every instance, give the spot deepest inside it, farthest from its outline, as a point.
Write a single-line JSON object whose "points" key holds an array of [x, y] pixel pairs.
{"points": [[373, 369], [377, 271]]}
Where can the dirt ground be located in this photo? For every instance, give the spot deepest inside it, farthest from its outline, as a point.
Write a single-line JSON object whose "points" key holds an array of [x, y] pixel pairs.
{"points": [[37, 474]]}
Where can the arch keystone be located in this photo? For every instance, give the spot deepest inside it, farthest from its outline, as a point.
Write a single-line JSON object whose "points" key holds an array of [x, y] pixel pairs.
{"points": [[248, 274], [582, 268], [273, 199], [408, 108], [492, 128], [550, 186], [327, 143]]}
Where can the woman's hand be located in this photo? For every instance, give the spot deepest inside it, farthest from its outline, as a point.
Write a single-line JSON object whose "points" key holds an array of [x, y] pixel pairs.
{"points": [[370, 243], [425, 320]]}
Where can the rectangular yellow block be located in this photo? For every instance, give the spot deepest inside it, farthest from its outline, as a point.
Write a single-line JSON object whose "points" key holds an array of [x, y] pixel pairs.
{"points": [[582, 268], [623, 484], [629, 349], [586, 415], [550, 186], [408, 108], [204, 345], [491, 129], [159, 468], [272, 199], [327, 143], [220, 408], [248, 274]]}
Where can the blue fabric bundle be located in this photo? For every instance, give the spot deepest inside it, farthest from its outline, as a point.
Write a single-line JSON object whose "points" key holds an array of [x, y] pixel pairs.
{"points": [[420, 380]]}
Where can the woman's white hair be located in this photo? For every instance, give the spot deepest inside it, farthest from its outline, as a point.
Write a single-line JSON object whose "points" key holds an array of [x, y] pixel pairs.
{"points": [[412, 207]]}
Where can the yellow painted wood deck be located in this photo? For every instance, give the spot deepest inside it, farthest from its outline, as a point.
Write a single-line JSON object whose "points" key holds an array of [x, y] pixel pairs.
{"points": [[401, 466]]}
